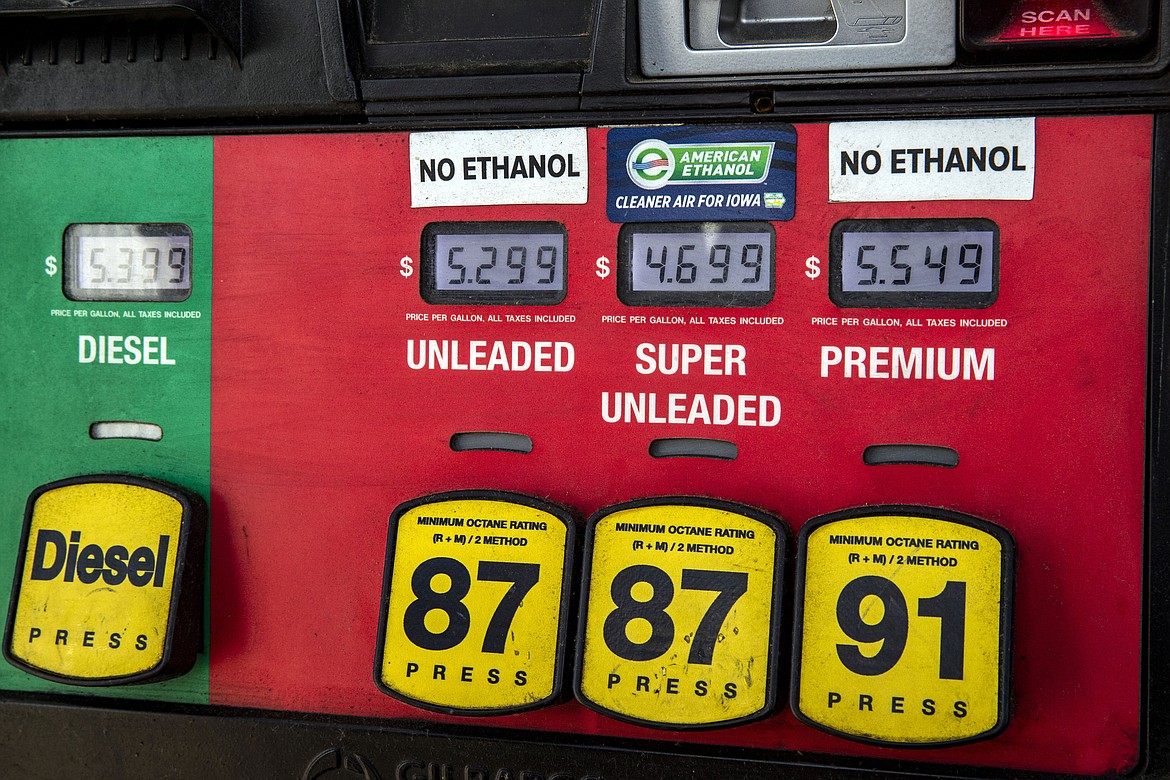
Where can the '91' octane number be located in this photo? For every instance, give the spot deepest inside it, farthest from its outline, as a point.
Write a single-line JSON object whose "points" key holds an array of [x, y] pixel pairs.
{"points": [[903, 649]]}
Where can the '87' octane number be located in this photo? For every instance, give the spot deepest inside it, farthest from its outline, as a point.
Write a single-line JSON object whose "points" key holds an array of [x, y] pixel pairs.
{"points": [[680, 614], [474, 612], [728, 585]]}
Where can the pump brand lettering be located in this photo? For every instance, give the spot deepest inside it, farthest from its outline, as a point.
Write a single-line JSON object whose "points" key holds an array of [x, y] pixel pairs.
{"points": [[55, 557], [653, 164]]}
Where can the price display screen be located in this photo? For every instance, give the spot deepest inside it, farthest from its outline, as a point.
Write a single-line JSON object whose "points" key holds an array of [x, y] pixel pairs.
{"points": [[918, 263], [697, 264], [127, 262], [504, 263]]}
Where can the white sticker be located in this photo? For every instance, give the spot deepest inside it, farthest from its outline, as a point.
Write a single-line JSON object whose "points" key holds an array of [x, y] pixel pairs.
{"points": [[959, 159], [499, 167]]}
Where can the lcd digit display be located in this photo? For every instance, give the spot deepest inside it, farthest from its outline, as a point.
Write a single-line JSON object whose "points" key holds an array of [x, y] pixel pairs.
{"points": [[509, 263], [697, 264], [127, 262], [925, 263]]}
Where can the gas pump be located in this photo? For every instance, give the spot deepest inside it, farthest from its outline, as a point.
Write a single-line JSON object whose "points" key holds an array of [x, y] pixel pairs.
{"points": [[644, 388]]}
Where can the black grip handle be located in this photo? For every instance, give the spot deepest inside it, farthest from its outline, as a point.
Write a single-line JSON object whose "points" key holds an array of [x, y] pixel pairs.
{"points": [[221, 17]]}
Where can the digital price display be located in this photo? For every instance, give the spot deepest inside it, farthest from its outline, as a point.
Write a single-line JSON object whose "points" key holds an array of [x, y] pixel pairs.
{"points": [[914, 263], [902, 632], [680, 615], [475, 603], [148, 262], [697, 264], [501, 263]]}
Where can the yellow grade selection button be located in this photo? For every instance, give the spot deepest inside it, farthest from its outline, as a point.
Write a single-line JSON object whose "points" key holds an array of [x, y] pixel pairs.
{"points": [[681, 613], [903, 626], [474, 604], [109, 587]]}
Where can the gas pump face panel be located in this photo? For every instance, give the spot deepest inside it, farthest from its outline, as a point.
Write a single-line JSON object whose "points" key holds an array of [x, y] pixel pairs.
{"points": [[400, 409]]}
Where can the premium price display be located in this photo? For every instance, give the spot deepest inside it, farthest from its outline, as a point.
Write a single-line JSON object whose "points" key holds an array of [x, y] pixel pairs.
{"points": [[903, 626], [509, 263], [127, 262], [474, 613], [926, 263], [681, 612], [697, 264]]}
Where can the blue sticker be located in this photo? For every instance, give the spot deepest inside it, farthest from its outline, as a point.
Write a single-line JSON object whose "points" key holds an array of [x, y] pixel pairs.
{"points": [[681, 174]]}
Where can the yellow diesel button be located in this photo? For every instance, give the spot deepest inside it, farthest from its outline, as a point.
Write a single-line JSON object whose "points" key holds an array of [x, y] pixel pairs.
{"points": [[681, 613], [108, 582], [474, 603], [903, 626]]}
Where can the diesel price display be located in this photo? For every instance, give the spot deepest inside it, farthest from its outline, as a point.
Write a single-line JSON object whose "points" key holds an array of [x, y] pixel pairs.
{"points": [[127, 262], [697, 264], [914, 263]]}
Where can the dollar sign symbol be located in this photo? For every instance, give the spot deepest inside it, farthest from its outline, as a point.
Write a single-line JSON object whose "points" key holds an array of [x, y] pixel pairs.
{"points": [[602, 267], [51, 265], [407, 267], [814, 268]]}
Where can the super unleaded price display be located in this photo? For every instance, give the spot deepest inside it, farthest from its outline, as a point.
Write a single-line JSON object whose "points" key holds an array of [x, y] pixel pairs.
{"points": [[903, 626], [681, 613], [474, 605]]}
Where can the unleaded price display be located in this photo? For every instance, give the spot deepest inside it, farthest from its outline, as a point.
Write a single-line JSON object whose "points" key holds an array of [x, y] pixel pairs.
{"points": [[903, 626], [681, 613], [474, 601], [494, 263]]}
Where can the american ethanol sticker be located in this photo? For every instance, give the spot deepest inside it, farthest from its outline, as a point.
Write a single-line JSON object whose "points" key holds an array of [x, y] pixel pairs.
{"points": [[661, 174]]}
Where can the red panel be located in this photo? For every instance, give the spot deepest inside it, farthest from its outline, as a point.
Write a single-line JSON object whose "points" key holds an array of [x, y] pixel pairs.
{"points": [[320, 429]]}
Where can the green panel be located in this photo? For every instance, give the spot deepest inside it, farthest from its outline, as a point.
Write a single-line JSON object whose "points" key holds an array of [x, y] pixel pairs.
{"points": [[48, 398]]}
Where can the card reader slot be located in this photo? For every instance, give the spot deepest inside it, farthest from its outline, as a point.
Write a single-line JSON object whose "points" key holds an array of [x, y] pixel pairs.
{"points": [[776, 22], [910, 454], [125, 429], [719, 449], [497, 441]]}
